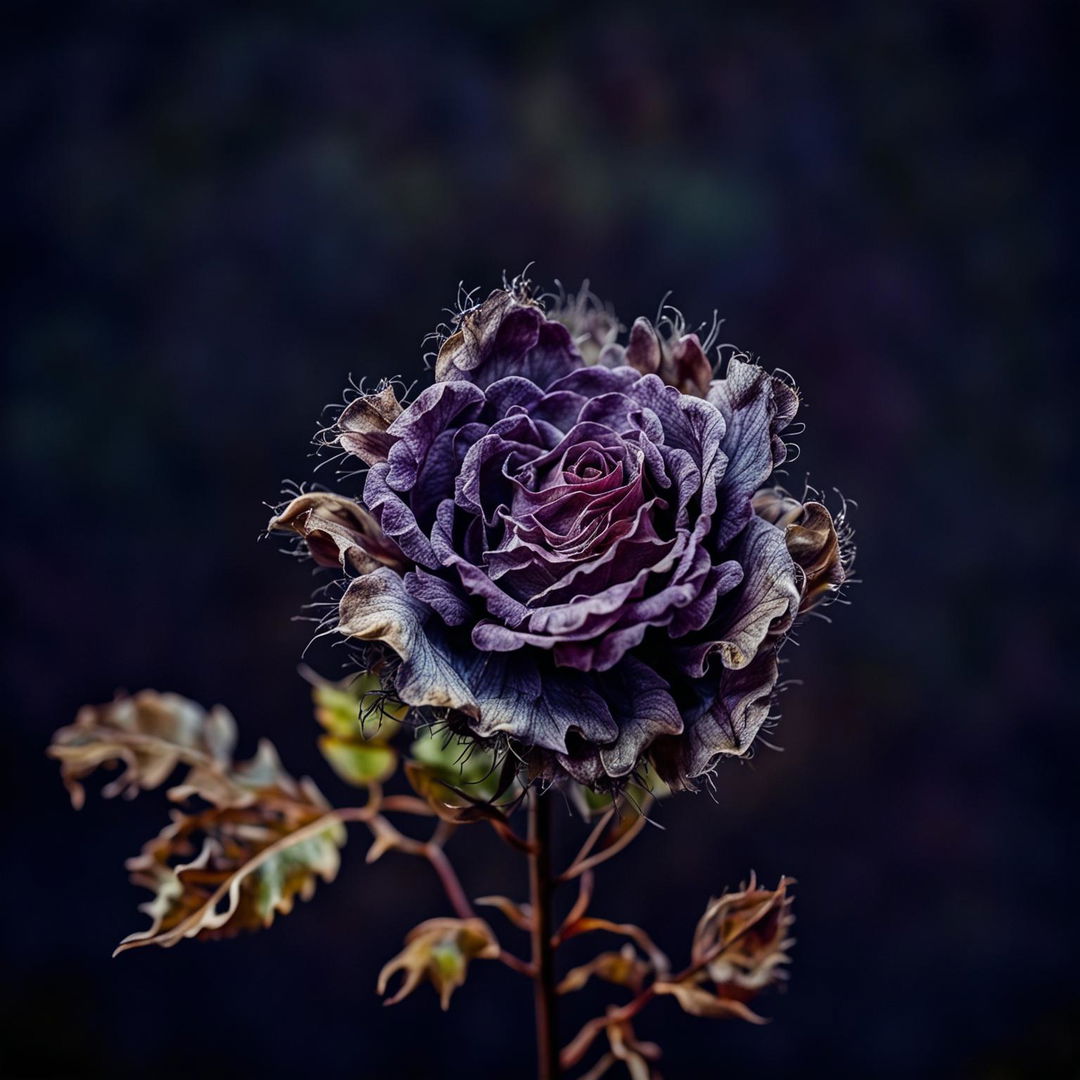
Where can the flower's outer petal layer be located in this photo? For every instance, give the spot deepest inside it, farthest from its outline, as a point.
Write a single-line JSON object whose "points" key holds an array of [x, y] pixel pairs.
{"points": [[765, 604], [540, 707], [579, 556], [642, 704], [732, 707], [812, 541], [362, 425], [756, 406]]}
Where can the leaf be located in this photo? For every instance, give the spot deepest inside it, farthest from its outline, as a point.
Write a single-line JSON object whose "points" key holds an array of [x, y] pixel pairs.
{"points": [[623, 968], [360, 720], [359, 763], [357, 707], [519, 914], [439, 950], [150, 735], [456, 807], [233, 868], [460, 762]]}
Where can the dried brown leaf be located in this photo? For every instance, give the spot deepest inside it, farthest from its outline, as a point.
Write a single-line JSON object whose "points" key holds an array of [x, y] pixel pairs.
{"points": [[698, 1001], [233, 868], [623, 968], [150, 735]]}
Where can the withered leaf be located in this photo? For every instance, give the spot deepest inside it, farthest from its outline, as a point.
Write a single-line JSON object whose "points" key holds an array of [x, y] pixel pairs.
{"points": [[698, 1001], [623, 968], [233, 868], [150, 735]]}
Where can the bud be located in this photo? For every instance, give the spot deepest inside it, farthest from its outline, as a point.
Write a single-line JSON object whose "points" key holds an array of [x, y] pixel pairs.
{"points": [[739, 946], [439, 950]]}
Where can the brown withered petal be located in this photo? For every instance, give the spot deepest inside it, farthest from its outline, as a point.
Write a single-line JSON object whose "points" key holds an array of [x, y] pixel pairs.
{"points": [[338, 532], [362, 426], [812, 542], [150, 734], [439, 950], [231, 869], [643, 347], [744, 936], [686, 367]]}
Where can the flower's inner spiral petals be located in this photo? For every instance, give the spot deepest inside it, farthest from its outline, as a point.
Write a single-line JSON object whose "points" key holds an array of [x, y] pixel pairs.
{"points": [[560, 546]]}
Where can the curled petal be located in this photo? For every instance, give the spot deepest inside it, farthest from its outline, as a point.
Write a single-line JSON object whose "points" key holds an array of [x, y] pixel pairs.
{"points": [[686, 367], [362, 426], [643, 350], [764, 605], [812, 542], [756, 407], [376, 607], [507, 335], [338, 532], [644, 709]]}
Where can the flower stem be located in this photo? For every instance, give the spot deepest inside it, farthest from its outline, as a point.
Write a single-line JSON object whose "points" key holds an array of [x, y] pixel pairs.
{"points": [[540, 889]]}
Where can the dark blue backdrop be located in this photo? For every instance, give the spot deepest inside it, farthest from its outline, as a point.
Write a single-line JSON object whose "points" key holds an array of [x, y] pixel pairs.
{"points": [[215, 215]]}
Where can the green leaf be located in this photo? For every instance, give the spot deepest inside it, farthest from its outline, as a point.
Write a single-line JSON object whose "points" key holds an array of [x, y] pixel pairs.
{"points": [[458, 761], [359, 763], [356, 708]]}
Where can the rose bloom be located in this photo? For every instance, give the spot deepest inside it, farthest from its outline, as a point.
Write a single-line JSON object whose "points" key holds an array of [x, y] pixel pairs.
{"points": [[565, 543]]}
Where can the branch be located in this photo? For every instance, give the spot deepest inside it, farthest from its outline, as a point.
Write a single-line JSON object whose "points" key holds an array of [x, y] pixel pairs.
{"points": [[579, 866], [576, 1049]]}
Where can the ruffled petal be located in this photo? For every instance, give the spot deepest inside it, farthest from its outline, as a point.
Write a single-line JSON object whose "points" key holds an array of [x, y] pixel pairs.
{"points": [[812, 541], [507, 335], [376, 607], [765, 604], [731, 708], [756, 407], [644, 709]]}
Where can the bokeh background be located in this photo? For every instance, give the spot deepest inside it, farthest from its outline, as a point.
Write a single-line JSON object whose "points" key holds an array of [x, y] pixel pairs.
{"points": [[215, 214]]}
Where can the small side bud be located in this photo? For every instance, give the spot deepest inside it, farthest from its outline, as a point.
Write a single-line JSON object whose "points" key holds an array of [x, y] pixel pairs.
{"points": [[439, 951]]}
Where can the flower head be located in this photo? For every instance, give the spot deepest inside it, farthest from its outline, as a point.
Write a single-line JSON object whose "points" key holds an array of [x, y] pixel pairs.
{"points": [[569, 554]]}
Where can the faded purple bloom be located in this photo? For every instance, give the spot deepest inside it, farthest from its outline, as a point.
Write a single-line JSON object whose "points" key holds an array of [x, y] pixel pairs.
{"points": [[566, 554]]}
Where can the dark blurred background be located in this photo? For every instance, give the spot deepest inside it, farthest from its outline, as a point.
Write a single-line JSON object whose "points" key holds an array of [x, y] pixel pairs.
{"points": [[215, 215]]}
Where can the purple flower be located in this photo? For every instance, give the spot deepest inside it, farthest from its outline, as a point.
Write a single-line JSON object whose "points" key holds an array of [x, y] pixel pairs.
{"points": [[566, 554]]}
